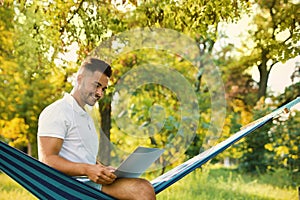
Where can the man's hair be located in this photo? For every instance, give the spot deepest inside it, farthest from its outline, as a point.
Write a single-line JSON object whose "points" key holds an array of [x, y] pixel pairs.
{"points": [[94, 64]]}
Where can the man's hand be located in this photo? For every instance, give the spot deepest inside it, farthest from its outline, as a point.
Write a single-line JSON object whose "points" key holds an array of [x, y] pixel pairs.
{"points": [[49, 154], [101, 174]]}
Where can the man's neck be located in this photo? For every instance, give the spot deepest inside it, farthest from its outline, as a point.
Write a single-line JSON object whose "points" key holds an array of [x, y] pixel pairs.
{"points": [[75, 95]]}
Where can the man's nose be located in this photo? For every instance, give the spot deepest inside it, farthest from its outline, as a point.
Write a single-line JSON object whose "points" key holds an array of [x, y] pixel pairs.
{"points": [[99, 92]]}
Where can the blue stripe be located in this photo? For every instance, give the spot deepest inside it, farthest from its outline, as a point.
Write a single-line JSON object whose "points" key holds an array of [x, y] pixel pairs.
{"points": [[35, 177], [42, 176], [26, 181], [50, 172]]}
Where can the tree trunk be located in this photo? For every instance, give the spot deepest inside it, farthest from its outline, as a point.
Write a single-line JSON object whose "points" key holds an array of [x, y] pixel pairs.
{"points": [[29, 148], [105, 126], [264, 76], [263, 81]]}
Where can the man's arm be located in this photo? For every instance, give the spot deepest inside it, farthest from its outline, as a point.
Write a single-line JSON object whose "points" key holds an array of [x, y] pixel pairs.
{"points": [[49, 148]]}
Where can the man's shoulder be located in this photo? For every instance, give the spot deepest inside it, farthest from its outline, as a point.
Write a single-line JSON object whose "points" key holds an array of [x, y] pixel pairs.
{"points": [[53, 119], [60, 103], [57, 107]]}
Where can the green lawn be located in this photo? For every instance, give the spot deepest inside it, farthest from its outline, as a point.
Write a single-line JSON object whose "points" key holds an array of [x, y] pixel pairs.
{"points": [[11, 190], [209, 183], [220, 183]]}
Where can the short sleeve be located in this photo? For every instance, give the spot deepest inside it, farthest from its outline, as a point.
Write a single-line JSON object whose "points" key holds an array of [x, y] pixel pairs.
{"points": [[52, 122]]}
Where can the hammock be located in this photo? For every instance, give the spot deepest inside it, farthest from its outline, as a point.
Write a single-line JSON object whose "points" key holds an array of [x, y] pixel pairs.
{"points": [[47, 183]]}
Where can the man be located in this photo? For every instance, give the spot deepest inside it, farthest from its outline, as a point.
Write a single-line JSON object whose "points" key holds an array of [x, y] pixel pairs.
{"points": [[68, 142]]}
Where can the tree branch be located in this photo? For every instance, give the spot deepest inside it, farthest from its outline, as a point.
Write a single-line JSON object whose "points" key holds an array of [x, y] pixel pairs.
{"points": [[74, 12]]}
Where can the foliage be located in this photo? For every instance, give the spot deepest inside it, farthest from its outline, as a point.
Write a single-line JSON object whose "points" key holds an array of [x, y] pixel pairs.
{"points": [[14, 131], [284, 146], [274, 145], [153, 114], [193, 18], [254, 157], [284, 137], [30, 83], [273, 38], [241, 91]]}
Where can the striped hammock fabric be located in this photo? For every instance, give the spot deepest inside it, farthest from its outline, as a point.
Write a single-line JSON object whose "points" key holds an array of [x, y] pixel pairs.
{"points": [[41, 180], [47, 183]]}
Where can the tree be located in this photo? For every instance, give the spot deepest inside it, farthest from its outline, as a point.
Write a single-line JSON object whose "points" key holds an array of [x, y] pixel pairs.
{"points": [[275, 34], [272, 38], [29, 80], [49, 28], [197, 19]]}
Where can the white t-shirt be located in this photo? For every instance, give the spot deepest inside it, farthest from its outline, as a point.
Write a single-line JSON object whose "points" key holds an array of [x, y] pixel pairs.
{"points": [[66, 120]]}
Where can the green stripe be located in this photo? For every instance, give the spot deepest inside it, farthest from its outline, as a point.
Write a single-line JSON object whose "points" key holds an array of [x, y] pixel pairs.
{"points": [[25, 176], [38, 165], [54, 172], [49, 180], [23, 183]]}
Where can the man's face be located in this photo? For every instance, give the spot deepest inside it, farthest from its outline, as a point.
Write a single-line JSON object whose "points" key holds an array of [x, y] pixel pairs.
{"points": [[92, 87]]}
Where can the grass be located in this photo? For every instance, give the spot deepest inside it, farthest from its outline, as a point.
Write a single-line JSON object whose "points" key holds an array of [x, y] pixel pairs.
{"points": [[11, 190], [212, 182], [222, 183]]}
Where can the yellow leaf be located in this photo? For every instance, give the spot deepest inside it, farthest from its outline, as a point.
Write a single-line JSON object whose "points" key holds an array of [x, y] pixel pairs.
{"points": [[269, 147]]}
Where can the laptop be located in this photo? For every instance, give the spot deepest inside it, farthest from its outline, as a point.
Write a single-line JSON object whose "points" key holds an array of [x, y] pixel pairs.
{"points": [[138, 162]]}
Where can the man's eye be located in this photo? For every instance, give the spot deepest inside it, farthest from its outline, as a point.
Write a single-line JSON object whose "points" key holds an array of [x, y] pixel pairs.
{"points": [[96, 85]]}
